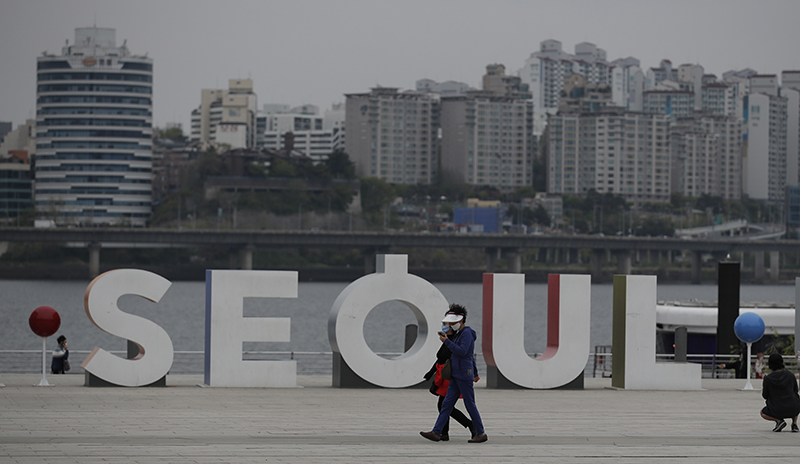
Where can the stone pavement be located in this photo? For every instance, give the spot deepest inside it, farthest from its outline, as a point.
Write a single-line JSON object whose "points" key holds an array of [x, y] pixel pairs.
{"points": [[184, 423]]}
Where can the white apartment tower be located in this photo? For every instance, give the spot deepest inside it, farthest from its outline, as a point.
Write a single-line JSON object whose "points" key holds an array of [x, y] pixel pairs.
{"points": [[765, 154], [544, 72], [611, 151], [629, 95], [392, 135], [94, 129], [486, 140]]}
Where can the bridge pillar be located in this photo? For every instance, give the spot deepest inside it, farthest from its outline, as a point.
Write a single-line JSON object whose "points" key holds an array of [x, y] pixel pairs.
{"points": [[246, 257], [94, 260], [548, 256], [567, 257], [514, 258], [697, 259], [759, 266], [597, 264], [491, 259], [774, 263], [369, 261], [623, 262]]}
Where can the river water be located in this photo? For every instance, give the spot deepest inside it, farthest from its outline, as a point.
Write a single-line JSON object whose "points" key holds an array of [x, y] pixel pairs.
{"points": [[181, 312]]}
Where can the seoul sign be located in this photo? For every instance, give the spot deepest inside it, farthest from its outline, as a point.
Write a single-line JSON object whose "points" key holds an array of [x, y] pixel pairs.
{"points": [[226, 329]]}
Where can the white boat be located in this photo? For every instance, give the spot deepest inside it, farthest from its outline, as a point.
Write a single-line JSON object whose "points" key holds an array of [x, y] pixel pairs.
{"points": [[700, 320], [700, 317]]}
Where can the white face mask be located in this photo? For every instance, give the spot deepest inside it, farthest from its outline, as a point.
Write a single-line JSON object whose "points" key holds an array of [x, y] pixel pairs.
{"points": [[456, 327]]}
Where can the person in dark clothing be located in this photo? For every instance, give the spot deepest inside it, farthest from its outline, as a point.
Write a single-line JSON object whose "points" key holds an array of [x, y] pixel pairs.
{"points": [[780, 391], [738, 365], [60, 356], [439, 386], [464, 373]]}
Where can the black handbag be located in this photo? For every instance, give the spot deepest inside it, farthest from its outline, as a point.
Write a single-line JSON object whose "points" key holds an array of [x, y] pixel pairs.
{"points": [[447, 370], [66, 365]]}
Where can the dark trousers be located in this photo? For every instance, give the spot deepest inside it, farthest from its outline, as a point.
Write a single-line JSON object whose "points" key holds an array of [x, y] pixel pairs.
{"points": [[463, 388], [456, 414]]}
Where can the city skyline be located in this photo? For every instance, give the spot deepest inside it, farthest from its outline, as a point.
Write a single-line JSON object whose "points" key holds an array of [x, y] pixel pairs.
{"points": [[313, 52]]}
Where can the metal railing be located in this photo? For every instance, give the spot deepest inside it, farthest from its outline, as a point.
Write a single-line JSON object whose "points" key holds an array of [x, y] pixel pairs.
{"points": [[599, 363]]}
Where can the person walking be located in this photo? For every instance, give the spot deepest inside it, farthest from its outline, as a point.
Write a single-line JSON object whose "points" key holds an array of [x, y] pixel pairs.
{"points": [[60, 364], [440, 385], [779, 388], [464, 373]]}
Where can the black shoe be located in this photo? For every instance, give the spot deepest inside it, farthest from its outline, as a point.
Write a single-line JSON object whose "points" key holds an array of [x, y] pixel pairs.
{"points": [[445, 437], [472, 431], [433, 436], [478, 438], [795, 429], [779, 426]]}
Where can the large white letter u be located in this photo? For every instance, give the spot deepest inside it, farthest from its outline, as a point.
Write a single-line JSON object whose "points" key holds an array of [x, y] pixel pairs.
{"points": [[568, 325]]}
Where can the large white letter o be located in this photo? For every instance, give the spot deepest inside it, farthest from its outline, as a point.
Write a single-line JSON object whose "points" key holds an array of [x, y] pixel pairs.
{"points": [[391, 282]]}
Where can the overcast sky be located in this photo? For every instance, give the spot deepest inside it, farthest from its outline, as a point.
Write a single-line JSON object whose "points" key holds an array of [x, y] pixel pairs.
{"points": [[314, 51]]}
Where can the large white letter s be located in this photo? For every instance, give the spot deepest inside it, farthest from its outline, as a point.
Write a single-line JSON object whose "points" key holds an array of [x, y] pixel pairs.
{"points": [[155, 346]]}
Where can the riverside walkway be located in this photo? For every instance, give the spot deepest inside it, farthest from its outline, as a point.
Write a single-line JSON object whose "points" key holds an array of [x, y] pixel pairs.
{"points": [[320, 424]]}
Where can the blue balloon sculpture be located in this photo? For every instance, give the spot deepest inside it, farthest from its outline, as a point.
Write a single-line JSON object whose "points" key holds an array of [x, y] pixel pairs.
{"points": [[749, 327]]}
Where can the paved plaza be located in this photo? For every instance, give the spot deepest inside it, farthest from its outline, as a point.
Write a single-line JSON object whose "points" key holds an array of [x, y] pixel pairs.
{"points": [[68, 422]]}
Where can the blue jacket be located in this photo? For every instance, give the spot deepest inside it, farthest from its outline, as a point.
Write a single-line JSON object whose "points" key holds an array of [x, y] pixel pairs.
{"points": [[462, 361]]}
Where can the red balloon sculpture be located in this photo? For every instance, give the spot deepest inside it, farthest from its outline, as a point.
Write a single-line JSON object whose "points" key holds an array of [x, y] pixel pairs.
{"points": [[44, 321]]}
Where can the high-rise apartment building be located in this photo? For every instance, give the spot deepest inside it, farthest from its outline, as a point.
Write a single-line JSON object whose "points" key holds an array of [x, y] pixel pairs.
{"points": [[544, 72], [718, 98], [227, 116], [393, 135], [706, 156], [631, 85], [664, 72], [611, 151], [498, 82], [94, 132], [764, 156], [790, 89], [672, 103], [579, 96], [486, 140]]}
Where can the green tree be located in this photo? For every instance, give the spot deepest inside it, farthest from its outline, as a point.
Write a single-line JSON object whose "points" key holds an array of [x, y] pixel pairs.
{"points": [[339, 165], [173, 133], [341, 196], [281, 168], [540, 216], [375, 194], [654, 226]]}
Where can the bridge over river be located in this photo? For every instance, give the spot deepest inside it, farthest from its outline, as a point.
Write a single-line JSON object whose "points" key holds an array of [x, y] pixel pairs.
{"points": [[510, 246]]}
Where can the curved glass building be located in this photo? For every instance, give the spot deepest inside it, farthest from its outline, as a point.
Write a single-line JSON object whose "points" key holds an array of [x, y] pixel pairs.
{"points": [[94, 133]]}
